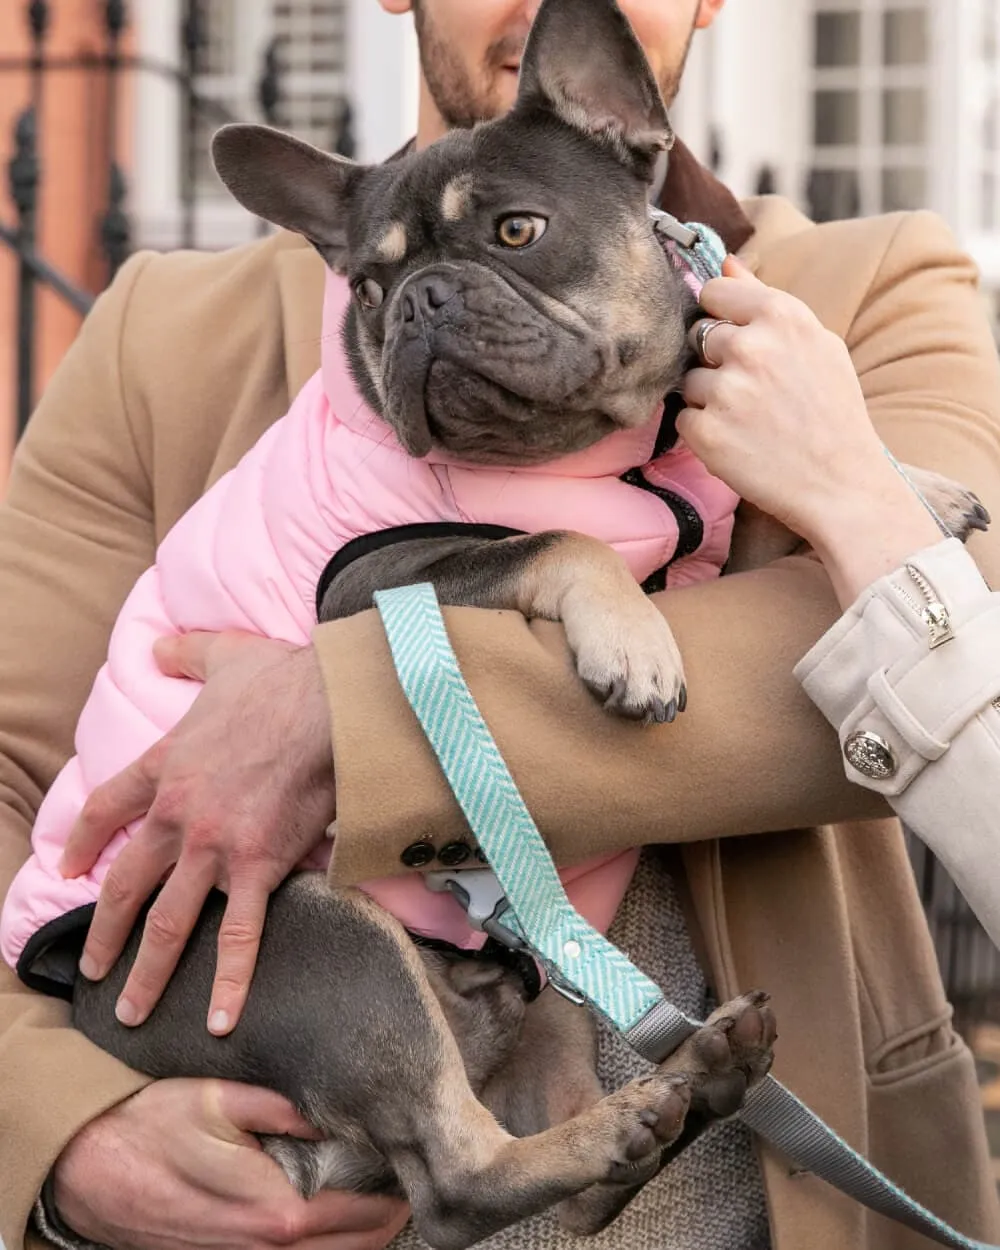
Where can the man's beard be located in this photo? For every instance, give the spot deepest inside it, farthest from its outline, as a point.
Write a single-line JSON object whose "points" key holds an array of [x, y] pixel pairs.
{"points": [[463, 101]]}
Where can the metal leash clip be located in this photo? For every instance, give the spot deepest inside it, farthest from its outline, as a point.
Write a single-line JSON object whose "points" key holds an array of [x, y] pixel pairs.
{"points": [[667, 223], [480, 895]]}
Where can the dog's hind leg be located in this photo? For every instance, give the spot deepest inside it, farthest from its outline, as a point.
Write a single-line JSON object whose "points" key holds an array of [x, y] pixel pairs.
{"points": [[720, 1062]]}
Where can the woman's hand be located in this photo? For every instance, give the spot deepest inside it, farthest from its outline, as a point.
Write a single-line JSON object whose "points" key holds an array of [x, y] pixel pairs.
{"points": [[234, 796], [780, 416]]}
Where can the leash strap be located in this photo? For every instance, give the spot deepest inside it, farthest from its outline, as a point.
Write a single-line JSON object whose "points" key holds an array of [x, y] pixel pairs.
{"points": [[574, 954]]}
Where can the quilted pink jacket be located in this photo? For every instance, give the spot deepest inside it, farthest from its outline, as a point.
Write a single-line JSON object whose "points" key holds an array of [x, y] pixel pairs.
{"points": [[250, 554]]}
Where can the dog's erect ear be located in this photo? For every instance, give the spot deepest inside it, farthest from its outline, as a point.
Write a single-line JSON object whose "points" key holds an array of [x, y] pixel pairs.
{"points": [[583, 61], [289, 183]]}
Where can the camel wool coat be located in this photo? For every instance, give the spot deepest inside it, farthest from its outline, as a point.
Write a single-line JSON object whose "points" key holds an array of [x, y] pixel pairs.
{"points": [[798, 881]]}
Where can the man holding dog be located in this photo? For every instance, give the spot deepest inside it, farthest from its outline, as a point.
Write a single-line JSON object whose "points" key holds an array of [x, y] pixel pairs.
{"points": [[824, 917]]}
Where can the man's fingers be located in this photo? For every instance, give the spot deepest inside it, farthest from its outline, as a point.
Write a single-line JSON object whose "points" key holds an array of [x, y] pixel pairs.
{"points": [[352, 1213], [239, 943], [184, 655], [199, 655], [252, 1109], [168, 926], [377, 1240], [110, 807], [130, 880]]}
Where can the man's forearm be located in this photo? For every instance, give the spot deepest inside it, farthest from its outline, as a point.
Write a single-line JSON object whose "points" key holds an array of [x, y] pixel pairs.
{"points": [[52, 1079], [750, 754]]}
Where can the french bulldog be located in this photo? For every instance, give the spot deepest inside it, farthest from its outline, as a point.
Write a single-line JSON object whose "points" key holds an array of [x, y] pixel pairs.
{"points": [[511, 305]]}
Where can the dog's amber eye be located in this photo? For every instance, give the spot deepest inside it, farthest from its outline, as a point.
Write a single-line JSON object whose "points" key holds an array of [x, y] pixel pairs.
{"points": [[520, 230], [368, 292]]}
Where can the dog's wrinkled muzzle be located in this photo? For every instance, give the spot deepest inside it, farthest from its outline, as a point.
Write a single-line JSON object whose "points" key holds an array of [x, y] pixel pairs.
{"points": [[471, 361]]}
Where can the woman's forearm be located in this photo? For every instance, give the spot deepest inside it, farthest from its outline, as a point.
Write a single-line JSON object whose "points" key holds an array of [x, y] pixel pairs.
{"points": [[914, 702], [864, 537]]}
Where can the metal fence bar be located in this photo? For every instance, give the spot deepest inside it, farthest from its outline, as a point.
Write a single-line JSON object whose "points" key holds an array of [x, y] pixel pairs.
{"points": [[79, 300], [24, 173], [114, 228], [192, 36]]}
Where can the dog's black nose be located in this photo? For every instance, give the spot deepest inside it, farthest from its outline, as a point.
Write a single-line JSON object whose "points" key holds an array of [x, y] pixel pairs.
{"points": [[426, 295], [438, 291]]}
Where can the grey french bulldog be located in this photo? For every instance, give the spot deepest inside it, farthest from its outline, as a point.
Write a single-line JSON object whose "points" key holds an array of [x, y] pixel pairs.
{"points": [[532, 231]]}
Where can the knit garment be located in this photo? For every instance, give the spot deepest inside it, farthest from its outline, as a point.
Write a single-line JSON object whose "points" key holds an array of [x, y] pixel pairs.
{"points": [[711, 1197]]}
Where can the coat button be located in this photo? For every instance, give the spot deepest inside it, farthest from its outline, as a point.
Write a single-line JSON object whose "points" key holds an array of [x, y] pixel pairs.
{"points": [[454, 853], [418, 854], [870, 754]]}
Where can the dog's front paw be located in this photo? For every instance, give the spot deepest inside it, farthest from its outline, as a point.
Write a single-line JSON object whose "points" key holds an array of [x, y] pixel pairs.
{"points": [[652, 1110], [729, 1054], [626, 655], [959, 509]]}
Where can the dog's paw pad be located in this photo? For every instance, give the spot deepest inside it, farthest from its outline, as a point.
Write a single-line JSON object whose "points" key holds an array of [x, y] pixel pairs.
{"points": [[634, 668], [958, 509], [653, 1117], [734, 1050]]}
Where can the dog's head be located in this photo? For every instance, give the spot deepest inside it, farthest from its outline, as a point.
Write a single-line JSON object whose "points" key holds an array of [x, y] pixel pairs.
{"points": [[511, 303]]}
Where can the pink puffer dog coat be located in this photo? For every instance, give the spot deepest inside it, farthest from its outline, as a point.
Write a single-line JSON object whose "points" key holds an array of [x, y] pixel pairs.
{"points": [[250, 555]]}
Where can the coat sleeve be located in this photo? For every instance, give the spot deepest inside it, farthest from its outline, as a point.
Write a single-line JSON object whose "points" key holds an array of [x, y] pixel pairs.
{"points": [[76, 530], [751, 754], [935, 709]]}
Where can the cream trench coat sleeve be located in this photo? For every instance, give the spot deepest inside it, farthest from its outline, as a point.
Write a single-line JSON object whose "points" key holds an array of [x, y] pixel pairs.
{"points": [[915, 698]]}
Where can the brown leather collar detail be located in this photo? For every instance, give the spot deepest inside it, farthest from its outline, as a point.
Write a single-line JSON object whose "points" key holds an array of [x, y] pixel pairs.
{"points": [[692, 193]]}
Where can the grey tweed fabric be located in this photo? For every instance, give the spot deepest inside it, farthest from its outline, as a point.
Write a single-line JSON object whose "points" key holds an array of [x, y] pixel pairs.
{"points": [[711, 1196]]}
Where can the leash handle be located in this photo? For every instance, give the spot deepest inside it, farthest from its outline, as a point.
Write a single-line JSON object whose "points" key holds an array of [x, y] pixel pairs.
{"points": [[573, 952]]}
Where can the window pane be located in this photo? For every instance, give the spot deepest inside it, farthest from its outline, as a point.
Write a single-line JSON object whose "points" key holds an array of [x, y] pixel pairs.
{"points": [[838, 39], [833, 194], [835, 117], [991, 124], [904, 116], [904, 35], [989, 34], [990, 213], [217, 52], [903, 189]]}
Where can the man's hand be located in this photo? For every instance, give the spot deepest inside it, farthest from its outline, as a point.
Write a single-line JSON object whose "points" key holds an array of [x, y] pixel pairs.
{"points": [[175, 1166], [234, 796]]}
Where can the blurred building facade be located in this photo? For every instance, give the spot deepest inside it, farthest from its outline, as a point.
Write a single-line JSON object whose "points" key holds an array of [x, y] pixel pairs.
{"points": [[855, 107]]}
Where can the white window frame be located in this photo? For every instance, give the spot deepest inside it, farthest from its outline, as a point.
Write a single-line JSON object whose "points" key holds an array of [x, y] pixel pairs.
{"points": [[968, 79], [382, 79], [870, 156]]}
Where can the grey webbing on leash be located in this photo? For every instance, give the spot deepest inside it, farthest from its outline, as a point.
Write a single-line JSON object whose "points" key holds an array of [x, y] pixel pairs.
{"points": [[522, 902]]}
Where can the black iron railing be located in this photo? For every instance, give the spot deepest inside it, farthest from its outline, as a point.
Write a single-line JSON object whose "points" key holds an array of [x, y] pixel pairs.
{"points": [[113, 227]]}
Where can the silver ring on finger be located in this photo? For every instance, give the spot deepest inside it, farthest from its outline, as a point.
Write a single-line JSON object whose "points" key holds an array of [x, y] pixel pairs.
{"points": [[705, 328]]}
